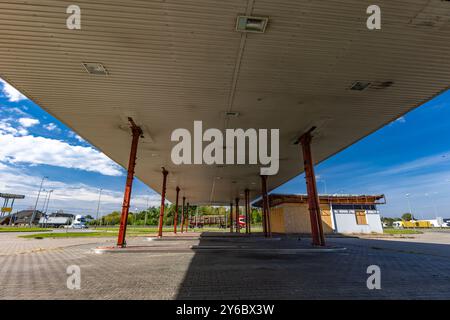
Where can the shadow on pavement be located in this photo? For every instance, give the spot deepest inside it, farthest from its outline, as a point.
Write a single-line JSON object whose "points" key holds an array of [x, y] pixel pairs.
{"points": [[226, 270]]}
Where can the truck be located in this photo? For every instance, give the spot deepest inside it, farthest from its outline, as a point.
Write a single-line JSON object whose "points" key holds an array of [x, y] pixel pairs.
{"points": [[63, 220], [210, 220], [412, 224], [56, 220], [79, 222]]}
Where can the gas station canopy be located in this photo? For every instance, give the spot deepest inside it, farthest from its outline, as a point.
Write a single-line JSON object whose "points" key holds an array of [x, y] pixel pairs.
{"points": [[169, 63]]}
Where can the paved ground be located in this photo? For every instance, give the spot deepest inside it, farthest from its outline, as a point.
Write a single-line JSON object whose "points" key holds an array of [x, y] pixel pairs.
{"points": [[411, 268]]}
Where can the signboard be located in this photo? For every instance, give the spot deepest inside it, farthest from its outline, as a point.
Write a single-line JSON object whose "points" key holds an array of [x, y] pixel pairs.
{"points": [[11, 196], [6, 209]]}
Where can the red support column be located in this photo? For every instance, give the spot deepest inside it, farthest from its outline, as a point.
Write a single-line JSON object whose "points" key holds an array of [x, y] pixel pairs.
{"points": [[249, 215], [313, 198], [182, 214], [163, 200], [137, 133], [231, 216], [238, 226], [175, 218], [247, 211], [266, 212], [186, 220]]}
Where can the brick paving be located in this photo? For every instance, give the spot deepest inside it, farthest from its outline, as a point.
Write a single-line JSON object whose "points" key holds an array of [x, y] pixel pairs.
{"points": [[411, 268]]}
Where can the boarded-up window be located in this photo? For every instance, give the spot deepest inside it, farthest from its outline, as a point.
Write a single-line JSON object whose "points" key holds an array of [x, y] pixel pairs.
{"points": [[326, 220], [361, 217]]}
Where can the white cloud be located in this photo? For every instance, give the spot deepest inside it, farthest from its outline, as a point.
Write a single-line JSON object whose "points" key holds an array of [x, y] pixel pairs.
{"points": [[51, 127], [11, 93], [16, 111], [39, 150], [28, 122], [6, 128], [401, 120], [72, 198], [418, 164], [22, 131], [72, 134], [80, 139], [434, 184]]}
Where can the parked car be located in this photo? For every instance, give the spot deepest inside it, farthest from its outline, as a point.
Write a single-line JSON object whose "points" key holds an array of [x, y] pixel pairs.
{"points": [[76, 225]]}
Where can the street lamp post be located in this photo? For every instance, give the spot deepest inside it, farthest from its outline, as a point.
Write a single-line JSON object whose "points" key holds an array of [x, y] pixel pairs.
{"points": [[48, 200], [45, 199], [432, 203], [45, 208], [33, 216], [324, 185], [146, 212], [409, 206], [98, 204]]}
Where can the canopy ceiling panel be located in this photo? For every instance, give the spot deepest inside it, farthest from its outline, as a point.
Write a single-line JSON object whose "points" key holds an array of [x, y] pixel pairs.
{"points": [[175, 61]]}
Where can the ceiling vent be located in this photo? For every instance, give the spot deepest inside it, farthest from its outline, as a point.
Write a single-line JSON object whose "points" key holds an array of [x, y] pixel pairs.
{"points": [[363, 85], [434, 15], [359, 85], [231, 114], [381, 84], [251, 24], [95, 68]]}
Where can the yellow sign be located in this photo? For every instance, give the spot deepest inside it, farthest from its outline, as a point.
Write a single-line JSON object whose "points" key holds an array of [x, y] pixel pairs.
{"points": [[6, 209]]}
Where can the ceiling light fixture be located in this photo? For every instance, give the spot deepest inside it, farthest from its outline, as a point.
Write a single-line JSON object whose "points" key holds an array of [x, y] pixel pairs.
{"points": [[231, 114], [251, 24], [363, 85], [95, 68], [381, 84], [360, 85]]}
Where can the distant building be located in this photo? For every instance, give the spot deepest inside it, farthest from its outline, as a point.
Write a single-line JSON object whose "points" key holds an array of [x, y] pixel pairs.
{"points": [[57, 219], [340, 213], [8, 204], [23, 217]]}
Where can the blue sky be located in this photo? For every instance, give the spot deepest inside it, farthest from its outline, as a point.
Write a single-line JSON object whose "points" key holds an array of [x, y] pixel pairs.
{"points": [[409, 156]]}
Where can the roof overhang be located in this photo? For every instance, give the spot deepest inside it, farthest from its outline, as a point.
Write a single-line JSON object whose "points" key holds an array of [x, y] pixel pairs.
{"points": [[279, 199], [172, 62]]}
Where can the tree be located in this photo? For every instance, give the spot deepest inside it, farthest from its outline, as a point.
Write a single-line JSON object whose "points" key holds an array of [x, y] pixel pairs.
{"points": [[407, 217], [256, 215], [388, 221]]}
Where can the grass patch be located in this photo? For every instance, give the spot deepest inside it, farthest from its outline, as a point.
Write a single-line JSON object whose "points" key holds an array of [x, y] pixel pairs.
{"points": [[68, 235], [402, 231], [22, 229], [132, 231]]}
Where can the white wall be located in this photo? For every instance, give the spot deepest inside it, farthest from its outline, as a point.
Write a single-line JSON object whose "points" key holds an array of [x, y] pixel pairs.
{"points": [[346, 223]]}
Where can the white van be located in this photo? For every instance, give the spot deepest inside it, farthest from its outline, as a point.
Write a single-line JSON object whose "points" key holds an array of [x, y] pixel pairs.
{"points": [[78, 223]]}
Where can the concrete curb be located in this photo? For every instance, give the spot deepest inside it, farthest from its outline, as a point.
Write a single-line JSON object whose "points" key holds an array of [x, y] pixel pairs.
{"points": [[237, 249], [171, 238]]}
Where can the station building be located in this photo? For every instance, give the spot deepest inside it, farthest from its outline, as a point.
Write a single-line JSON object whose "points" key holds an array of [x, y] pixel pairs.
{"points": [[346, 214]]}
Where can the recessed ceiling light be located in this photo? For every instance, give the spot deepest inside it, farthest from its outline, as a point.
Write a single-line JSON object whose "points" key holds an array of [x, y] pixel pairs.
{"points": [[251, 24], [95, 68], [363, 85], [231, 114], [381, 84], [360, 85]]}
